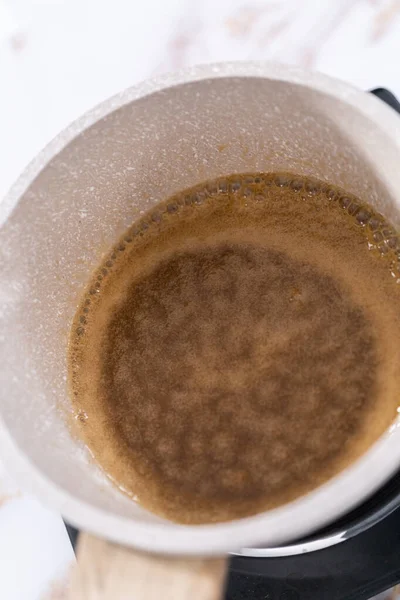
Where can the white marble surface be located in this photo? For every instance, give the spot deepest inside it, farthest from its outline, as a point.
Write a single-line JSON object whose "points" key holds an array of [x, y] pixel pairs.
{"points": [[58, 58]]}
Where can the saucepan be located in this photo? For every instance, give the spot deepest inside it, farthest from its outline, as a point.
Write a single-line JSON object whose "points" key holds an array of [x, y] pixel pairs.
{"points": [[80, 194]]}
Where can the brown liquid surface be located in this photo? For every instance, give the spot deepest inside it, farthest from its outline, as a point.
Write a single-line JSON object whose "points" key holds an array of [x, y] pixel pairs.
{"points": [[239, 346]]}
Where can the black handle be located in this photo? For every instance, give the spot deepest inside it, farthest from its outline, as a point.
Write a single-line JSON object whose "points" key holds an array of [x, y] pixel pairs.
{"points": [[386, 96], [352, 570]]}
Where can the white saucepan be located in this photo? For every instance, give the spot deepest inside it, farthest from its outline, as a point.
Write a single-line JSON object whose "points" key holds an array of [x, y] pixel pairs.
{"points": [[77, 197]]}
